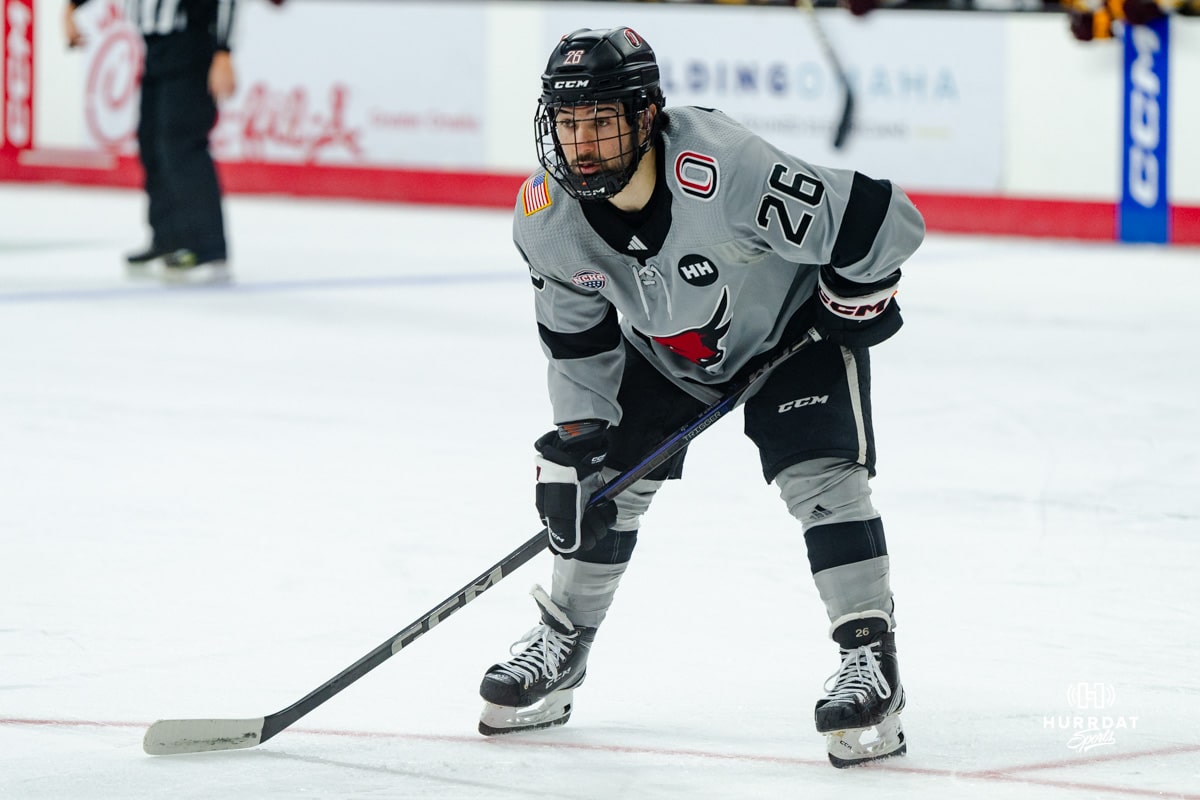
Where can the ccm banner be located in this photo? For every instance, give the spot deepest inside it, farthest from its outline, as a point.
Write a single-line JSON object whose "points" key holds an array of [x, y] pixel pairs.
{"points": [[1144, 211], [16, 113]]}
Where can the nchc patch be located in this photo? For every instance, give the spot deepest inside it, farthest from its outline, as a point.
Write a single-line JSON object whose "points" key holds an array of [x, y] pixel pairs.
{"points": [[589, 279], [535, 194]]}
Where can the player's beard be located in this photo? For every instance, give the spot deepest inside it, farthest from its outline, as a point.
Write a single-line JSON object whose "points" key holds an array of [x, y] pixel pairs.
{"points": [[596, 176], [605, 168]]}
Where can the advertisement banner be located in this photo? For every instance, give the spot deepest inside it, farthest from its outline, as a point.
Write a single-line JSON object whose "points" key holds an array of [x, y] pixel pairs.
{"points": [[16, 75], [112, 64], [307, 95], [1143, 212], [928, 90], [398, 91]]}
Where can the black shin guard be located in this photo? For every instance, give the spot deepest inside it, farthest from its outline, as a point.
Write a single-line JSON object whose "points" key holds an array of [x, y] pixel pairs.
{"points": [[844, 543]]}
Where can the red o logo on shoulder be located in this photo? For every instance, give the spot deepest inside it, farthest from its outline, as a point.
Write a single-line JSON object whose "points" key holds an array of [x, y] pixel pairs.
{"points": [[633, 38], [697, 174]]}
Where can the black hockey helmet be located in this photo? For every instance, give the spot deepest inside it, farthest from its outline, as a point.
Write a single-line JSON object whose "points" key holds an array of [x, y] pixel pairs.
{"points": [[594, 67]]}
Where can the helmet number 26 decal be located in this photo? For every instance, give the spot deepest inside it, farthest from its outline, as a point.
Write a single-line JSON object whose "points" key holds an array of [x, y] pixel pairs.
{"points": [[805, 188]]}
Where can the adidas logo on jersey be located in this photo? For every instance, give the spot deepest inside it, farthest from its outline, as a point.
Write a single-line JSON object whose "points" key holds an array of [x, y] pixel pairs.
{"points": [[820, 512], [636, 244]]}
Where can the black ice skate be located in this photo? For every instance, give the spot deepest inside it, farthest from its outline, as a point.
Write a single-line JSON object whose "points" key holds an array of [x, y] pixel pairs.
{"points": [[535, 689], [860, 713], [141, 264], [152, 253]]}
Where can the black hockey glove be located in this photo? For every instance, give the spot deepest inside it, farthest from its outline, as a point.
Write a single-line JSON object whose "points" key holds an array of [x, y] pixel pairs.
{"points": [[857, 314], [568, 461]]}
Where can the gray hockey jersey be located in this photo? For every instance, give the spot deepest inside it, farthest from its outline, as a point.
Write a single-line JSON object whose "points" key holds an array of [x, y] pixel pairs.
{"points": [[710, 273]]}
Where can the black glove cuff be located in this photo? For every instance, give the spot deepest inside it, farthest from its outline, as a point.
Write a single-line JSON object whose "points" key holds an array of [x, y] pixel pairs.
{"points": [[582, 445], [848, 288]]}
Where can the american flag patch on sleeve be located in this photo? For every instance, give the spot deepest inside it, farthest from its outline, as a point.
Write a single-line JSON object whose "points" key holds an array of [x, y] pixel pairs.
{"points": [[535, 194]]}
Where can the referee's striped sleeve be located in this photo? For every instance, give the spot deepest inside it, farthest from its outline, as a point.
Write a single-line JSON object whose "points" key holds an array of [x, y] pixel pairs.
{"points": [[223, 27]]}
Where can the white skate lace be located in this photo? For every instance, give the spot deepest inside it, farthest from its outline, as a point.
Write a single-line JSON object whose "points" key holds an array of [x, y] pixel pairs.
{"points": [[545, 649], [859, 673]]}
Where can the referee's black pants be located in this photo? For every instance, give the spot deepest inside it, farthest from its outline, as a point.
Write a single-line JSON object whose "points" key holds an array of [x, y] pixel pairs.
{"points": [[176, 115]]}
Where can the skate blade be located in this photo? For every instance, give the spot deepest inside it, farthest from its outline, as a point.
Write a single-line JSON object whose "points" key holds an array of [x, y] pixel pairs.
{"points": [[856, 746], [147, 270], [212, 274], [550, 711]]}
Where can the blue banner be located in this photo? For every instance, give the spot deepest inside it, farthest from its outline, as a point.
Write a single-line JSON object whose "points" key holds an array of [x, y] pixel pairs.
{"points": [[1143, 214]]}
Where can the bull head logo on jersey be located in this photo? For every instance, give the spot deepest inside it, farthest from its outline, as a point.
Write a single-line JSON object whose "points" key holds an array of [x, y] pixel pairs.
{"points": [[702, 345]]}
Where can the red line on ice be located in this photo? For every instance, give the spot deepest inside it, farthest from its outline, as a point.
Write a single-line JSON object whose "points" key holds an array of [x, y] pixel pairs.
{"points": [[999, 774]]}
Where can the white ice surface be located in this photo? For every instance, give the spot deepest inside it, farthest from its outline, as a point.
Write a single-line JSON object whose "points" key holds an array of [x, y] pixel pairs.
{"points": [[211, 501]]}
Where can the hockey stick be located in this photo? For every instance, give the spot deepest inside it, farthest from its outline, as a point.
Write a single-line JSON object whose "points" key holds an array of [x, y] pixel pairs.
{"points": [[847, 118], [175, 736]]}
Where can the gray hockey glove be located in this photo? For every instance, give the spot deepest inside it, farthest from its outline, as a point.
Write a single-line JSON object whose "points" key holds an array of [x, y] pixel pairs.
{"points": [[857, 314], [568, 461]]}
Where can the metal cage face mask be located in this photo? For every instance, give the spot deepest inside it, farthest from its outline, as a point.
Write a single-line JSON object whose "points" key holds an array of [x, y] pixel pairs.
{"points": [[590, 149]]}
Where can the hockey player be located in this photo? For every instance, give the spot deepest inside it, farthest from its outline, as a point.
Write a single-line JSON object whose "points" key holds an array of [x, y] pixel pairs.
{"points": [[670, 251]]}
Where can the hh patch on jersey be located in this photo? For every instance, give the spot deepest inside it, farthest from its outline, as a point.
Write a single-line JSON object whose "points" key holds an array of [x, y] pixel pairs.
{"points": [[697, 270], [697, 174], [589, 279], [535, 194]]}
